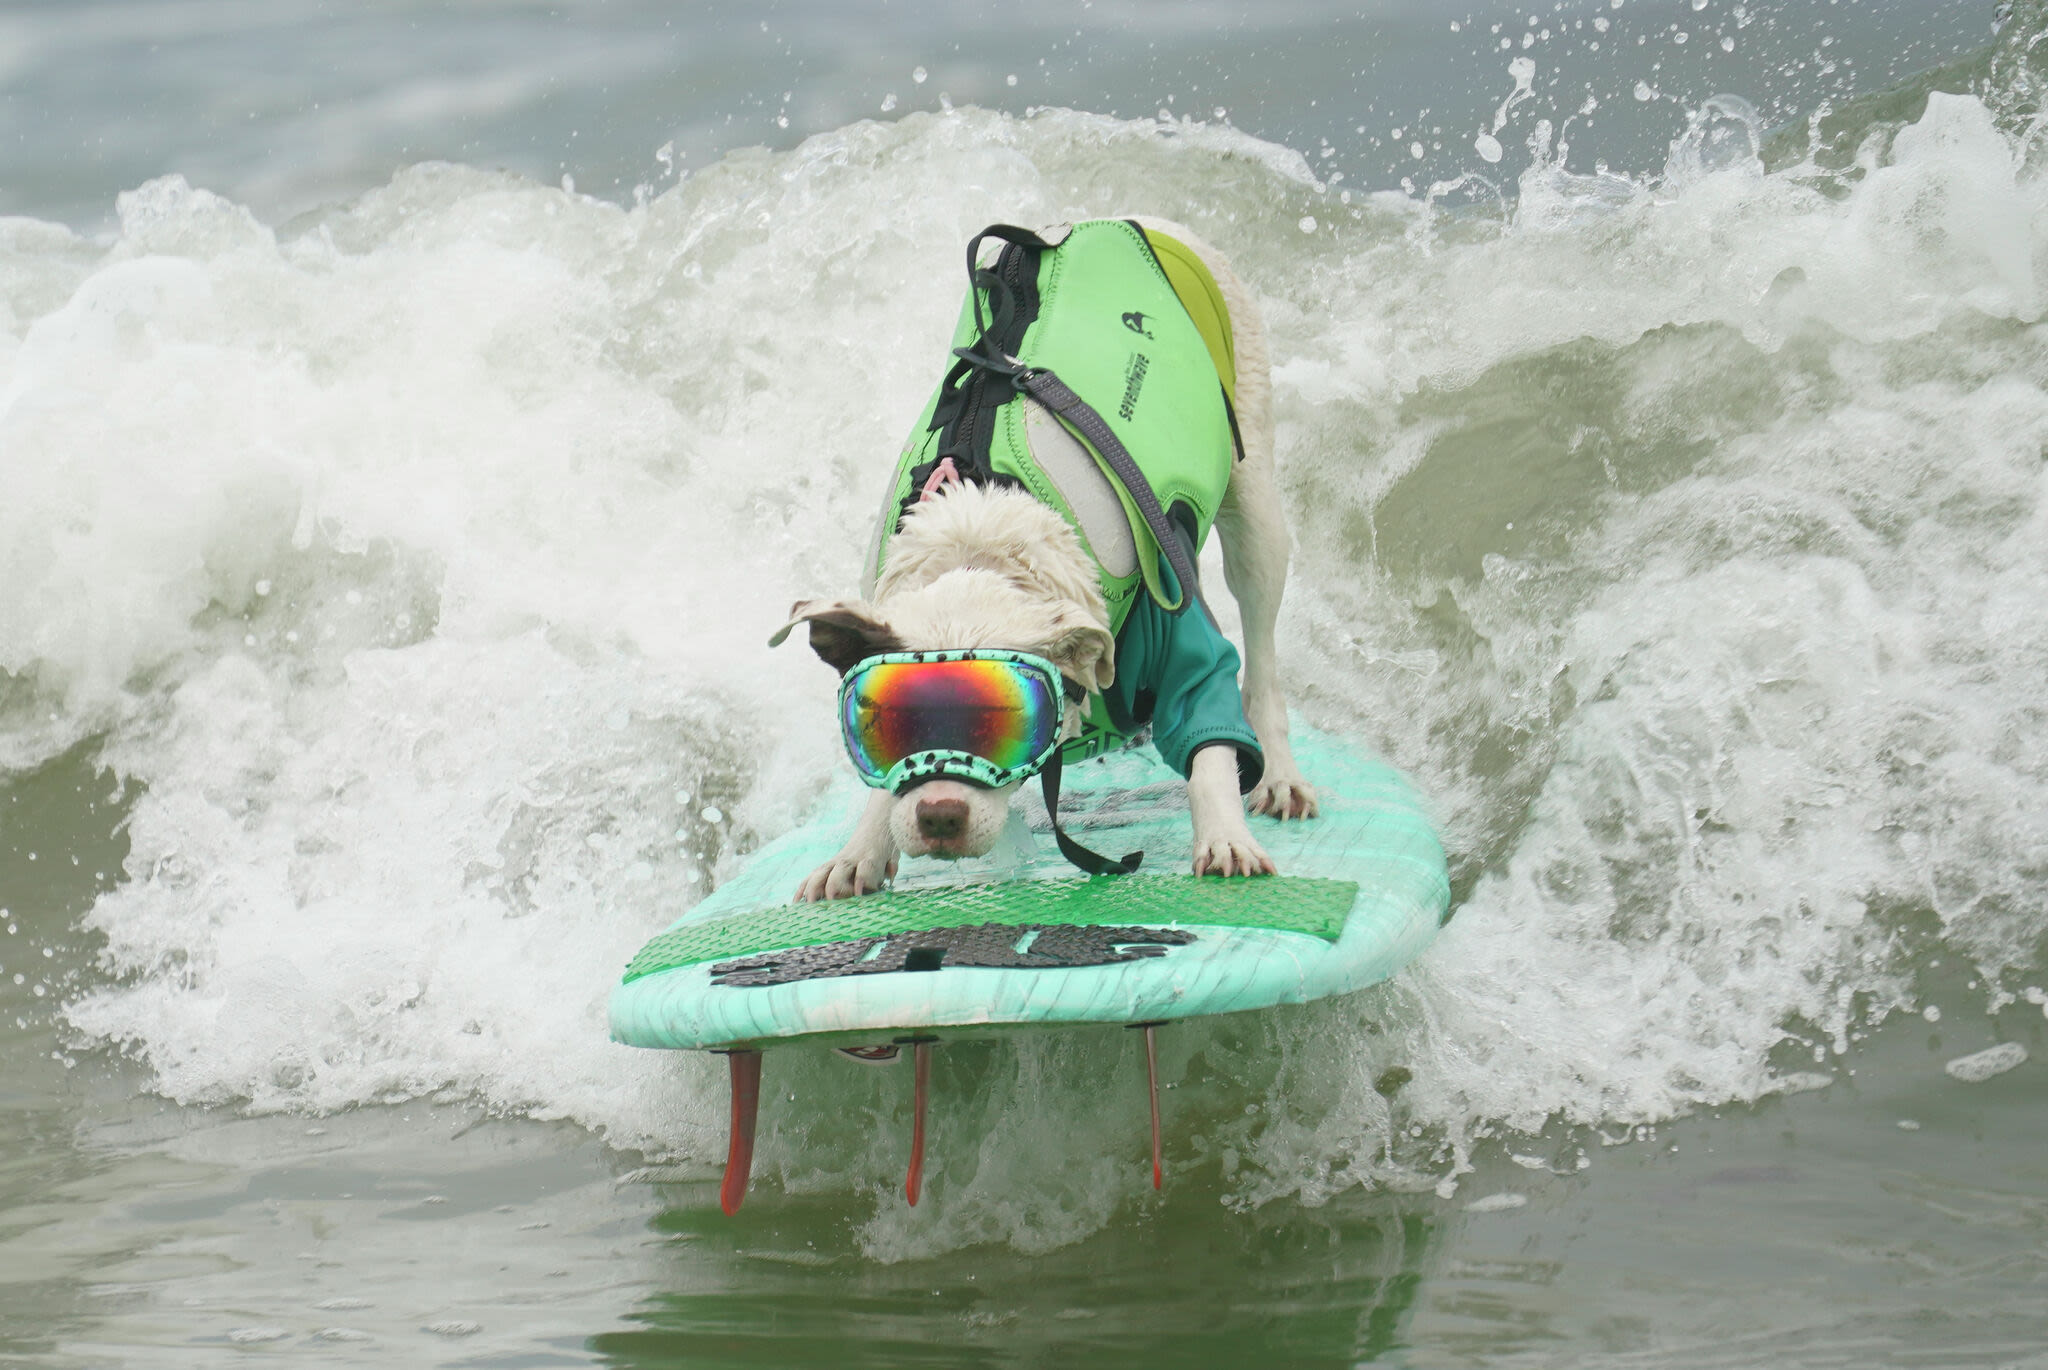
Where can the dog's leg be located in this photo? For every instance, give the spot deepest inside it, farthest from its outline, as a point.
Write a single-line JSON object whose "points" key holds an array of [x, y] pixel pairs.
{"points": [[1254, 536], [867, 859], [1253, 530], [1223, 843]]}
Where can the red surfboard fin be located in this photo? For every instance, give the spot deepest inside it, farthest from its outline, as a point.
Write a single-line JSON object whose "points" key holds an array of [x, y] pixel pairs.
{"points": [[739, 1149], [921, 1070], [1152, 1088]]}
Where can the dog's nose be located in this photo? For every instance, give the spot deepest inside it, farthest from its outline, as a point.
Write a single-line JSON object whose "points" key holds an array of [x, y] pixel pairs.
{"points": [[941, 819]]}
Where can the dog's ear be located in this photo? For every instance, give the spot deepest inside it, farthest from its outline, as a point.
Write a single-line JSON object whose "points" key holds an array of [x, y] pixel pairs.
{"points": [[1084, 651], [843, 632]]}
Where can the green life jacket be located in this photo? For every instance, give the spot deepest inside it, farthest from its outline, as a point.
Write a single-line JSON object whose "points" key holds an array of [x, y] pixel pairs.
{"points": [[1135, 325]]}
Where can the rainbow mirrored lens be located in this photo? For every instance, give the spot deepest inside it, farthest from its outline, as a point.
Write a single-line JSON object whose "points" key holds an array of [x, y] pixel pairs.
{"points": [[1006, 713]]}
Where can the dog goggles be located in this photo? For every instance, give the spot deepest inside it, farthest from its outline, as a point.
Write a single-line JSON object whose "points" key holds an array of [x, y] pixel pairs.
{"points": [[984, 715]]}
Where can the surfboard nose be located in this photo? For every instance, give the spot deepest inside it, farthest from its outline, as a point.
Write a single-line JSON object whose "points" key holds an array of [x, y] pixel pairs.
{"points": [[941, 820]]}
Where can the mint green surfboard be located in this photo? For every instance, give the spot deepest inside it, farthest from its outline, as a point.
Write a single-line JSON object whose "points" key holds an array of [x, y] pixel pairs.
{"points": [[1020, 939]]}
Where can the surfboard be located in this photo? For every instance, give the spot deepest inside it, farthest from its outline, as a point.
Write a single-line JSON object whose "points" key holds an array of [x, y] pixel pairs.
{"points": [[1017, 940]]}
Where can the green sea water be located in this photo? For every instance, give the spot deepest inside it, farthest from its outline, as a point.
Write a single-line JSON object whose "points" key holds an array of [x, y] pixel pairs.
{"points": [[414, 418]]}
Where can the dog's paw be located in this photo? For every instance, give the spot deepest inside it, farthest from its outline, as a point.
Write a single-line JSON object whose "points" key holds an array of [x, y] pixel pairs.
{"points": [[1236, 855], [844, 876], [1283, 797]]}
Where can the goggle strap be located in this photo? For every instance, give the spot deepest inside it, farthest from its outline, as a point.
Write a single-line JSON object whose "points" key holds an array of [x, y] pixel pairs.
{"points": [[1091, 862]]}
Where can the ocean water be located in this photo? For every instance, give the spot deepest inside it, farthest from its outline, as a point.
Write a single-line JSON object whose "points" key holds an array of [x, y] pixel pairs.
{"points": [[414, 418]]}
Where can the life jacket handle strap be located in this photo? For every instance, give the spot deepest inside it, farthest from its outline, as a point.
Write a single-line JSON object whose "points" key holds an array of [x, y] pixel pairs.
{"points": [[1008, 233], [985, 352]]}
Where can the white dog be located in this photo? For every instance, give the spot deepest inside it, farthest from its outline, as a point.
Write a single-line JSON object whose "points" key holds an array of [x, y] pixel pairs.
{"points": [[991, 565]]}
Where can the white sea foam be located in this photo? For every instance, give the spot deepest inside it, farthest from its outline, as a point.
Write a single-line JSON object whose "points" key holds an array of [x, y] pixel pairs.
{"points": [[1503, 1202], [1686, 541], [1980, 1066]]}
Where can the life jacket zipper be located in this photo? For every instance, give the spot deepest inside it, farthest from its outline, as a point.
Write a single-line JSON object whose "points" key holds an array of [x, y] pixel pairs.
{"points": [[974, 431]]}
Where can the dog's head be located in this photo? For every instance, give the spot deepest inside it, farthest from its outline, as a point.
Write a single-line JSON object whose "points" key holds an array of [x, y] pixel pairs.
{"points": [[972, 569]]}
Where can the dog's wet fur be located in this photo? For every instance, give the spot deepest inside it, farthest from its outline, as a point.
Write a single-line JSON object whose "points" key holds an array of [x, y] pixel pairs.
{"points": [[977, 566]]}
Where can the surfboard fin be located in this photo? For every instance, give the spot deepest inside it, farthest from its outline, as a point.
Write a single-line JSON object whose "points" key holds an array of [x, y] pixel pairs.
{"points": [[1152, 1089], [921, 1071], [1152, 1093], [745, 1067]]}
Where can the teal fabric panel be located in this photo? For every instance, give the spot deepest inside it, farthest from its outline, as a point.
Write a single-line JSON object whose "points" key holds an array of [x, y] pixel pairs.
{"points": [[1188, 669]]}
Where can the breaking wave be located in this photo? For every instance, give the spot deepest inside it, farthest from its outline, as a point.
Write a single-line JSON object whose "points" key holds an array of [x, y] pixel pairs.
{"points": [[1686, 538]]}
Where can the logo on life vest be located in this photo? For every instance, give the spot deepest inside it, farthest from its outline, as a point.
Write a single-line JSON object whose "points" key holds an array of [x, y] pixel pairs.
{"points": [[1134, 381], [1135, 321]]}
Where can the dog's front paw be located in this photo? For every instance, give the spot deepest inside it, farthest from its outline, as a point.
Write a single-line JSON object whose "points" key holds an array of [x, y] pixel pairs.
{"points": [[1283, 796], [1237, 854], [846, 875]]}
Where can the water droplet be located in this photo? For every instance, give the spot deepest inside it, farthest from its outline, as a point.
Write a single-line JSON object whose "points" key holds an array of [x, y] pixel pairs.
{"points": [[1307, 224], [918, 74], [888, 102]]}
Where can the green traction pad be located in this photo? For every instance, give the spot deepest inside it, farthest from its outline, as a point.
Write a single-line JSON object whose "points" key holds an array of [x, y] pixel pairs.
{"points": [[1277, 903]]}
